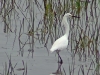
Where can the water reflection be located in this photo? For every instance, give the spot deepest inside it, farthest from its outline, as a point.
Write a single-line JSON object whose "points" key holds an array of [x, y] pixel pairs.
{"points": [[59, 71], [17, 20]]}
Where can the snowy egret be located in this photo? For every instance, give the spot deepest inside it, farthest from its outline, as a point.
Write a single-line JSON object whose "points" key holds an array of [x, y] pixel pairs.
{"points": [[62, 42]]}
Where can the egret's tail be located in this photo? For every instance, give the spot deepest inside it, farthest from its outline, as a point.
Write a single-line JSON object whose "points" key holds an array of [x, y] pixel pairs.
{"points": [[51, 51]]}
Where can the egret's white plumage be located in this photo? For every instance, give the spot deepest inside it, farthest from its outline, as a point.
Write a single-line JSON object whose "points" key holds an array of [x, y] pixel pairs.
{"points": [[62, 42]]}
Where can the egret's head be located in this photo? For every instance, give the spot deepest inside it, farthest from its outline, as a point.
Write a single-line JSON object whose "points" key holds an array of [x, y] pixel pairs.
{"points": [[66, 18], [68, 15]]}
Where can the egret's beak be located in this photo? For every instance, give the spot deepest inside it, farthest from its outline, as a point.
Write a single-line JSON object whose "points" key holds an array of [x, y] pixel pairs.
{"points": [[75, 16]]}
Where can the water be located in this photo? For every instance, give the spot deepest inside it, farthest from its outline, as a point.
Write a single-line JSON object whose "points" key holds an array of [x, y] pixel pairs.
{"points": [[16, 47]]}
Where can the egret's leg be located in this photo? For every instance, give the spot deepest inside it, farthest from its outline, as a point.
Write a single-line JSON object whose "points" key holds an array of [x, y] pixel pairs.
{"points": [[58, 56], [61, 61], [58, 60]]}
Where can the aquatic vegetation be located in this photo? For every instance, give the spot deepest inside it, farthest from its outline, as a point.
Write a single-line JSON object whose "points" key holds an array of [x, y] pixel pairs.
{"points": [[36, 25]]}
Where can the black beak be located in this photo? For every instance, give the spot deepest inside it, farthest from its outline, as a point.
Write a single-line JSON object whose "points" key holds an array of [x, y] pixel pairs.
{"points": [[75, 16]]}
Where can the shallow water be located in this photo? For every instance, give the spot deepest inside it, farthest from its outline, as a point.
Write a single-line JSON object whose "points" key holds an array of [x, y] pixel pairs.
{"points": [[44, 62]]}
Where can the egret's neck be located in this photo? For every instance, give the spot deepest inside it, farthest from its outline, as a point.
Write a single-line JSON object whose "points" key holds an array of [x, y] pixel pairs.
{"points": [[66, 25]]}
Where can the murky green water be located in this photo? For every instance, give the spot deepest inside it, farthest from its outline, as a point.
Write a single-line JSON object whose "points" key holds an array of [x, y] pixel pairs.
{"points": [[28, 29]]}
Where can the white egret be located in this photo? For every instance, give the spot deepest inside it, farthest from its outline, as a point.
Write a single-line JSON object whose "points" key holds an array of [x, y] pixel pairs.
{"points": [[62, 42]]}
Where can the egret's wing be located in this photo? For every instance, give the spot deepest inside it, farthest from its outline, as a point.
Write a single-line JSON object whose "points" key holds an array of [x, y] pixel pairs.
{"points": [[59, 44]]}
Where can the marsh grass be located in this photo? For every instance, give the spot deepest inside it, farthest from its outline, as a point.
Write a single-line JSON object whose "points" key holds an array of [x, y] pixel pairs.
{"points": [[84, 38], [10, 69]]}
